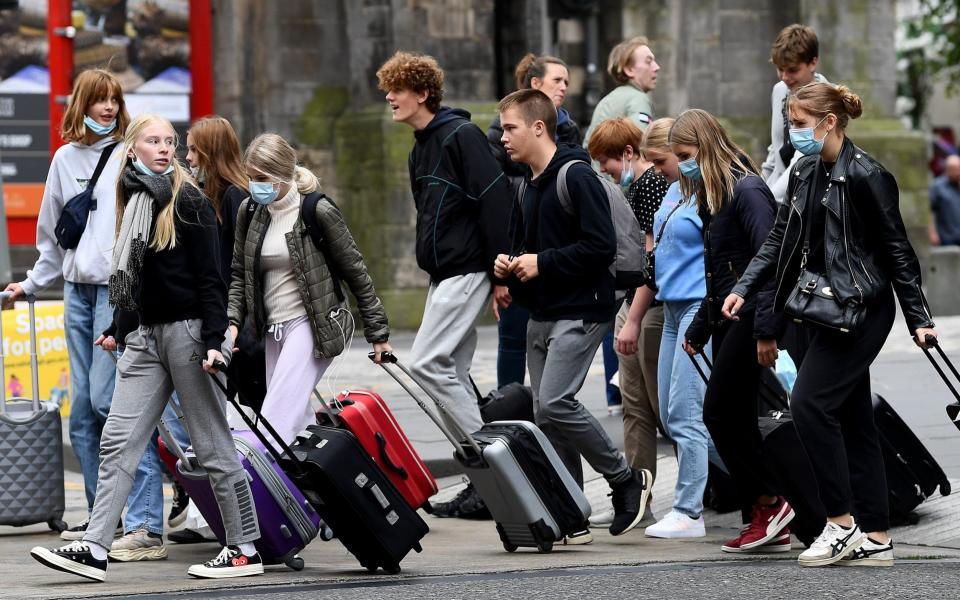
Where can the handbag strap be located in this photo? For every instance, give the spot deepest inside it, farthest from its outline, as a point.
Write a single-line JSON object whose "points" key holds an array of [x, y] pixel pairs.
{"points": [[663, 225], [104, 157]]}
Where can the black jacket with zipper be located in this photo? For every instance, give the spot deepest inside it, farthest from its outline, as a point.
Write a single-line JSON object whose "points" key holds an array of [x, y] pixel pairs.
{"points": [[730, 239], [462, 198], [865, 242], [574, 252]]}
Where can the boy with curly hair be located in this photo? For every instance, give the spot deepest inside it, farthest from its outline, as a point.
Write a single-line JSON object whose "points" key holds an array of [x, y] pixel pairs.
{"points": [[463, 206]]}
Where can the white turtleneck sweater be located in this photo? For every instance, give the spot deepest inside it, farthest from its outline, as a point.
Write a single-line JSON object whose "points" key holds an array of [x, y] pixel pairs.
{"points": [[281, 297]]}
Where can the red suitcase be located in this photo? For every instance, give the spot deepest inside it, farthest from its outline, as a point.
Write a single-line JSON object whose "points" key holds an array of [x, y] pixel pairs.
{"points": [[366, 415]]}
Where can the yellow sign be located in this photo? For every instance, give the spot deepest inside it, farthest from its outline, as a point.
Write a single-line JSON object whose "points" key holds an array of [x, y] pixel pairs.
{"points": [[54, 368]]}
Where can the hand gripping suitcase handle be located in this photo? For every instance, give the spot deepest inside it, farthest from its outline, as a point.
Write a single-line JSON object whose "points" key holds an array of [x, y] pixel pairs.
{"points": [[34, 370], [389, 358], [222, 367]]}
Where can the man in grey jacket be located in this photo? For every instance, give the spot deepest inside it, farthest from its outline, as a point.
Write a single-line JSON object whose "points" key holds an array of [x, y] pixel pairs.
{"points": [[796, 54]]}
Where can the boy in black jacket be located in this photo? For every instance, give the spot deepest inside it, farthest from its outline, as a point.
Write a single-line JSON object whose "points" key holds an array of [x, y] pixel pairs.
{"points": [[561, 272], [463, 202]]}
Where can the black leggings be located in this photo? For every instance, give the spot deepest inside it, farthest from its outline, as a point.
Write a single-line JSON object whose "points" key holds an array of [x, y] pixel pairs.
{"points": [[833, 413], [730, 410]]}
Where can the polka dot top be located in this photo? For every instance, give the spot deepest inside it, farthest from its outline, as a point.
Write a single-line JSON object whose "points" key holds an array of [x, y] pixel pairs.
{"points": [[645, 195]]}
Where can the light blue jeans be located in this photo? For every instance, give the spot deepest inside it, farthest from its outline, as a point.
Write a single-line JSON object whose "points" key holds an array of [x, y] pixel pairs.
{"points": [[92, 374], [681, 391], [145, 502]]}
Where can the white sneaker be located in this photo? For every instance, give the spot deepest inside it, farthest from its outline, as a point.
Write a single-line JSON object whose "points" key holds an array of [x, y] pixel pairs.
{"points": [[677, 525], [870, 554], [602, 519], [832, 545]]}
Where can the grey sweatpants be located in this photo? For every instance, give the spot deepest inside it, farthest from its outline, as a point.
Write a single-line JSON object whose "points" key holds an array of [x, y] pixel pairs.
{"points": [[443, 349], [157, 360], [559, 354]]}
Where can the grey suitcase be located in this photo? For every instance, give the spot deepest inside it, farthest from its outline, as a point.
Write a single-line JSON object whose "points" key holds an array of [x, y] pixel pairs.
{"points": [[515, 469], [31, 451]]}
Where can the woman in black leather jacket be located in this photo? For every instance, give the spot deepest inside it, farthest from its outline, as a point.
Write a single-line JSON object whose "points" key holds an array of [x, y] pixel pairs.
{"points": [[849, 205], [737, 210]]}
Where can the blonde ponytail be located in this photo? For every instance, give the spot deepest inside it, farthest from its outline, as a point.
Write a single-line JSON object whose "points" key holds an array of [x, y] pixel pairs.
{"points": [[306, 181]]}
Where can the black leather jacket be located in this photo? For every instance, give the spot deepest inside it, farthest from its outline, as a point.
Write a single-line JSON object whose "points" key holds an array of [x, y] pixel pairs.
{"points": [[865, 242]]}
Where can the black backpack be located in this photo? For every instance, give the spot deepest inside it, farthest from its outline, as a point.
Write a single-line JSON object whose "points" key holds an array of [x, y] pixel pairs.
{"points": [[308, 212], [73, 219]]}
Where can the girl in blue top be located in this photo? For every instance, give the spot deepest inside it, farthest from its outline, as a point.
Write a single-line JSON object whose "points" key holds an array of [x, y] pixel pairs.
{"points": [[678, 236]]}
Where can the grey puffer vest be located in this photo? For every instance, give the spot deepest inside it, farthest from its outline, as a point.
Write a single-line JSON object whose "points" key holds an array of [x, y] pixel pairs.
{"points": [[331, 327]]}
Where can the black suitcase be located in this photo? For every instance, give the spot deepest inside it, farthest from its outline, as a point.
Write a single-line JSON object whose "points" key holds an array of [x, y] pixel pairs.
{"points": [[913, 475], [512, 402], [354, 498]]}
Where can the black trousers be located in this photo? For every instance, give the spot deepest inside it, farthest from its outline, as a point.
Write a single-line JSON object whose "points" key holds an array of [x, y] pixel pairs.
{"points": [[730, 410], [833, 413]]}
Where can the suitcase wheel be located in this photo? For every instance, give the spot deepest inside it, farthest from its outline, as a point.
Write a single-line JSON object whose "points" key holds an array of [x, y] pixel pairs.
{"points": [[945, 488], [57, 525], [510, 547], [545, 546], [295, 563], [393, 569]]}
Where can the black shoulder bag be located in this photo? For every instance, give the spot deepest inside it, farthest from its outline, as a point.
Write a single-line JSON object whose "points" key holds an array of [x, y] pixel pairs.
{"points": [[73, 219], [812, 299]]}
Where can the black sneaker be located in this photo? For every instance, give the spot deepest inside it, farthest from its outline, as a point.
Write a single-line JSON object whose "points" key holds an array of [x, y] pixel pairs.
{"points": [[229, 563], [466, 505], [178, 512], [77, 532], [73, 558], [629, 499], [188, 536]]}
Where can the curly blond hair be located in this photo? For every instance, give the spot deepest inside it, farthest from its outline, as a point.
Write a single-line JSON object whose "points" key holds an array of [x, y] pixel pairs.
{"points": [[416, 72]]}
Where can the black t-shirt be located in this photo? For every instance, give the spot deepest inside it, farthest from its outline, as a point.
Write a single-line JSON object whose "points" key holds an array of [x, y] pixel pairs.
{"points": [[816, 260]]}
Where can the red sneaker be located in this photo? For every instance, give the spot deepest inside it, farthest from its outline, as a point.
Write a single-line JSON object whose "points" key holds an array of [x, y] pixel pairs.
{"points": [[766, 524], [781, 543]]}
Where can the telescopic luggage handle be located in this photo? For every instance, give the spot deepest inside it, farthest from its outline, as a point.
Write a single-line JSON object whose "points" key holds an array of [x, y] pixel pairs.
{"points": [[34, 370], [389, 358], [706, 379], [953, 409]]}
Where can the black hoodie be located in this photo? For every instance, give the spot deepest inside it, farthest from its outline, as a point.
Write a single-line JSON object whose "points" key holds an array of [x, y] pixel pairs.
{"points": [[574, 252], [462, 198]]}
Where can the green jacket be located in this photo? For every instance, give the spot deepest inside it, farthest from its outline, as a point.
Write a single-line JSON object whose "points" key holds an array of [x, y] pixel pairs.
{"points": [[625, 101], [330, 328]]}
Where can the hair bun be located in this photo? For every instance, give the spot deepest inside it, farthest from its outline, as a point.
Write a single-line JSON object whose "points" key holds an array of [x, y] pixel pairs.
{"points": [[851, 101], [523, 67]]}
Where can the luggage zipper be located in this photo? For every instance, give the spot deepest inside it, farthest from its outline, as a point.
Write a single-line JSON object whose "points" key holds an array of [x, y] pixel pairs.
{"points": [[298, 516]]}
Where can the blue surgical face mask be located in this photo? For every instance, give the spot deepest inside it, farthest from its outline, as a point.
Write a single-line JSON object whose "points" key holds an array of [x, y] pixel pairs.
{"points": [[146, 170], [264, 192], [97, 128], [690, 169], [805, 141], [626, 175]]}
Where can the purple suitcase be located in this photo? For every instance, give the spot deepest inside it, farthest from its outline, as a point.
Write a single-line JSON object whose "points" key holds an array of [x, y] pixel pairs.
{"points": [[287, 521]]}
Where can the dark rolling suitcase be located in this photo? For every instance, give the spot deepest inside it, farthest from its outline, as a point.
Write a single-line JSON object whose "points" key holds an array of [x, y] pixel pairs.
{"points": [[513, 466], [31, 451], [913, 475]]}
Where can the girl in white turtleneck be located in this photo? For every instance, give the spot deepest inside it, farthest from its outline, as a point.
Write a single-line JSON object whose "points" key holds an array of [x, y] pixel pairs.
{"points": [[288, 287]]}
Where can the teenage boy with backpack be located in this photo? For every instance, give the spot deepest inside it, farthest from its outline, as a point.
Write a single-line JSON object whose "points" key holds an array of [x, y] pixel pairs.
{"points": [[559, 265]]}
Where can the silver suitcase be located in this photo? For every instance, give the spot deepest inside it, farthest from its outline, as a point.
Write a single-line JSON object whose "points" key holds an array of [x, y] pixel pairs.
{"points": [[31, 451], [515, 469]]}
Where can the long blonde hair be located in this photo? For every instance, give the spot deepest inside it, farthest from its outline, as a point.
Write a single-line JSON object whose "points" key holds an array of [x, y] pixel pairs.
{"points": [[165, 231], [274, 156], [717, 155]]}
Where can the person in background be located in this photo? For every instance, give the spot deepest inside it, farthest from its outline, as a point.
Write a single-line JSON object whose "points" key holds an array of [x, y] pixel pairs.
{"points": [[945, 205], [548, 74], [615, 146]]}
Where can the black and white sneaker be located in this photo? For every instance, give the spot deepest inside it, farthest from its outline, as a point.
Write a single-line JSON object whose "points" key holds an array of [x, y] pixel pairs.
{"points": [[832, 545], [78, 531], [178, 511], [229, 563], [870, 554], [73, 558], [629, 500]]}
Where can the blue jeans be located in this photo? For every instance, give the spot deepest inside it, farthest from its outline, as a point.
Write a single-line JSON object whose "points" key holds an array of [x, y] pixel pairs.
{"points": [[145, 502], [610, 366], [681, 391], [512, 347], [92, 375]]}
